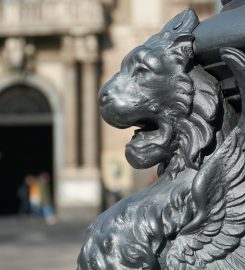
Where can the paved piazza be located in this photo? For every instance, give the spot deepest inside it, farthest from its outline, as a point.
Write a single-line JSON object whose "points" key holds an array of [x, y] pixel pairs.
{"points": [[28, 243]]}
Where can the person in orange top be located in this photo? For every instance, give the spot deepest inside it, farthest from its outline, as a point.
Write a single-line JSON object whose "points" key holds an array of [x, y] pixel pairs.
{"points": [[34, 195]]}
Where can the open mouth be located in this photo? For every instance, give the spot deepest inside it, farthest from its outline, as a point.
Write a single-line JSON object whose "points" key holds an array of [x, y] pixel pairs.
{"points": [[146, 128], [151, 133], [150, 144]]}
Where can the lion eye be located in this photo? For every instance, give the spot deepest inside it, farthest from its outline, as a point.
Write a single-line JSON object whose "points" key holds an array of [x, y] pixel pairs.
{"points": [[140, 70]]}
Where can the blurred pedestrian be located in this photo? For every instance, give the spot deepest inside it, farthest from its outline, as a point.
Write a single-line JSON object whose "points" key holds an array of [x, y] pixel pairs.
{"points": [[46, 202], [23, 194], [34, 195]]}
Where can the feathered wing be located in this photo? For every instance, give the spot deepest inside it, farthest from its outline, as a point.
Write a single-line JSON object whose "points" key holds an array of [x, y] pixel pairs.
{"points": [[215, 239], [219, 223]]}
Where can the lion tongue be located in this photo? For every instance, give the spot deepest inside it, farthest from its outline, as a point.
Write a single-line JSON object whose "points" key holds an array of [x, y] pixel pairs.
{"points": [[143, 137]]}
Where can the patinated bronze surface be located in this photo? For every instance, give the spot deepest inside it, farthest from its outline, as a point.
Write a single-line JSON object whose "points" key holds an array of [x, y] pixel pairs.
{"points": [[191, 122]]}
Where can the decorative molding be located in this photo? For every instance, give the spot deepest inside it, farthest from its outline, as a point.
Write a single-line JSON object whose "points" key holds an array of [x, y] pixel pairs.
{"points": [[86, 49], [44, 17], [19, 56]]}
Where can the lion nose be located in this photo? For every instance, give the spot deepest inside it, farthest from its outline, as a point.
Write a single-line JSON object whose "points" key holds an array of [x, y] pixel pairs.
{"points": [[104, 96]]}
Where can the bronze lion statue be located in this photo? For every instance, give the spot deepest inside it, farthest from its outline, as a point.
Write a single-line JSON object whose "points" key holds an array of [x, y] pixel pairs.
{"points": [[192, 217]]}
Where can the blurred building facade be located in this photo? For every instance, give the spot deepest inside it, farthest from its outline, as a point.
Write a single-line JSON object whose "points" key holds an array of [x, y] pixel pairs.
{"points": [[54, 55]]}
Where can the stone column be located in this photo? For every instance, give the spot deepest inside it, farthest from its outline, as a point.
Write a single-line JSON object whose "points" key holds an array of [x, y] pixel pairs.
{"points": [[89, 115], [87, 53], [70, 103]]}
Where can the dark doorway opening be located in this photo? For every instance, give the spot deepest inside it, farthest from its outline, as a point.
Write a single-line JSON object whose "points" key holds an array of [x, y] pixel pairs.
{"points": [[26, 141], [24, 150]]}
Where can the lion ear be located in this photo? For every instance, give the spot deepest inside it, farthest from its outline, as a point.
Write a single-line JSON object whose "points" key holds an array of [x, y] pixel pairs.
{"points": [[184, 22], [176, 31]]}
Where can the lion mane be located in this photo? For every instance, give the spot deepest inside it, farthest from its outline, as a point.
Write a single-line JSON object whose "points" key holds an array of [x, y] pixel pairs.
{"points": [[197, 126], [195, 105]]}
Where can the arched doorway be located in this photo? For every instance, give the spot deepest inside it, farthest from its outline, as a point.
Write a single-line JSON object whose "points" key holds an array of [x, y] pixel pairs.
{"points": [[26, 141]]}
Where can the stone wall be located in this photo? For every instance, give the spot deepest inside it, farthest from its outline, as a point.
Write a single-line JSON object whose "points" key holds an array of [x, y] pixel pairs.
{"points": [[53, 45]]}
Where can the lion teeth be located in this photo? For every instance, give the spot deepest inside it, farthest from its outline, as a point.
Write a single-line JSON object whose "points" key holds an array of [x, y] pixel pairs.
{"points": [[137, 131]]}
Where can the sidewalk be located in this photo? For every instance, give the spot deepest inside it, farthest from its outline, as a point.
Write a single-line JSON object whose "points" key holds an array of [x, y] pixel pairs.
{"points": [[29, 244]]}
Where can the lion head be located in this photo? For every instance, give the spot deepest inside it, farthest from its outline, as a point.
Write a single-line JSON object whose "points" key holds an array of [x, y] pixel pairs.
{"points": [[156, 90]]}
